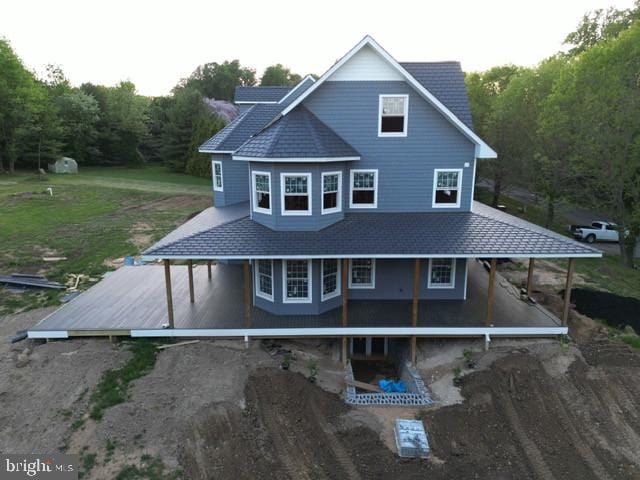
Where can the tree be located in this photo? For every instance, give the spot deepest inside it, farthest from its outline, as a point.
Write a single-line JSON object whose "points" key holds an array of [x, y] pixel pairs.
{"points": [[601, 25], [219, 80], [603, 87], [279, 75], [484, 89], [79, 115]]}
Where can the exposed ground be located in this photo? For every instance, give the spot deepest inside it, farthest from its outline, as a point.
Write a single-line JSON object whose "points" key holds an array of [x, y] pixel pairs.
{"points": [[530, 409]]}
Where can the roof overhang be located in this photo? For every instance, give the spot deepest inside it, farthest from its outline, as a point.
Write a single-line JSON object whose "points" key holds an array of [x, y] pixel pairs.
{"points": [[482, 149], [204, 150], [297, 87], [295, 159], [247, 102]]}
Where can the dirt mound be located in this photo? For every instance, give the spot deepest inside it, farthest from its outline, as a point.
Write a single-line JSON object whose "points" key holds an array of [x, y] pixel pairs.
{"points": [[289, 428], [617, 311]]}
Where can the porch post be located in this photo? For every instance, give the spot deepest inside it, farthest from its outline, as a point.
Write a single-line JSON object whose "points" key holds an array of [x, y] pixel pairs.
{"points": [[492, 278], [246, 270], [414, 310], [530, 277], [192, 297], [167, 281], [209, 268], [567, 291], [345, 306]]}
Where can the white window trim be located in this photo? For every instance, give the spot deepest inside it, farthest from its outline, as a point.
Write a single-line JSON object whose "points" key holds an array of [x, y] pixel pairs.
{"points": [[257, 281], [338, 207], [375, 188], [308, 299], [254, 193], [213, 170], [295, 213], [435, 183], [453, 276], [370, 286], [406, 116], [338, 291]]}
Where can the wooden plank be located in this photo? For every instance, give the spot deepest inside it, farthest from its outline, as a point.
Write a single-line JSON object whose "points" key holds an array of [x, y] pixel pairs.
{"points": [[414, 310], [246, 271], [530, 277], [209, 269], [567, 291], [192, 296], [364, 386], [345, 292], [179, 344], [492, 282], [167, 281]]}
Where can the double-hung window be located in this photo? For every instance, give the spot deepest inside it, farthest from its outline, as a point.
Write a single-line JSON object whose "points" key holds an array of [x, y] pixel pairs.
{"points": [[446, 188], [262, 192], [442, 273], [330, 278], [331, 192], [364, 189], [216, 168], [295, 193], [362, 273], [296, 281], [264, 279], [393, 115]]}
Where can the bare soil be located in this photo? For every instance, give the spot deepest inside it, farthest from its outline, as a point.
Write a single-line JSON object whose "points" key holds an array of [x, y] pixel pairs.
{"points": [[531, 409]]}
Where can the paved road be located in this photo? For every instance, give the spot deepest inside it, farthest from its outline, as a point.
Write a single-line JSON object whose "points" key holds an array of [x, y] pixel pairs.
{"points": [[572, 215]]}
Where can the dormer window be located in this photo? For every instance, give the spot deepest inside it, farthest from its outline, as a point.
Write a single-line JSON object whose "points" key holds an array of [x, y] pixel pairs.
{"points": [[392, 121], [295, 193], [217, 175], [262, 192]]}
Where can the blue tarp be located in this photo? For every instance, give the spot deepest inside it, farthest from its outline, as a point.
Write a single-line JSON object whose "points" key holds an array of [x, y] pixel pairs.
{"points": [[389, 386]]}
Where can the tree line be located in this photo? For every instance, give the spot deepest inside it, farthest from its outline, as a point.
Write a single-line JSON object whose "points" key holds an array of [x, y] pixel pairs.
{"points": [[42, 119], [569, 128]]}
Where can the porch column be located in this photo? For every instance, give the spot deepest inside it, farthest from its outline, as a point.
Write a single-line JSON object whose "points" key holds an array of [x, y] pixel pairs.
{"points": [[414, 310], [530, 277], [192, 296], [567, 291], [246, 270], [167, 281], [345, 306], [209, 268], [492, 280]]}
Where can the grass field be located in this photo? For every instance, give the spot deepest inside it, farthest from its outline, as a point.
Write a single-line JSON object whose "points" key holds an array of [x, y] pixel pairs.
{"points": [[96, 216]]}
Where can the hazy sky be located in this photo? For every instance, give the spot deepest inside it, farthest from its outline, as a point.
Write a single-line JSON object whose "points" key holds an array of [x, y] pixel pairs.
{"points": [[155, 43]]}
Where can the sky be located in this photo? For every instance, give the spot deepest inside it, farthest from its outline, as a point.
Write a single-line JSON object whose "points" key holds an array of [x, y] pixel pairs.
{"points": [[156, 43]]}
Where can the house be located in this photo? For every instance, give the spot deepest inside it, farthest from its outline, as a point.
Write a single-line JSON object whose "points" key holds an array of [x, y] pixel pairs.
{"points": [[344, 208]]}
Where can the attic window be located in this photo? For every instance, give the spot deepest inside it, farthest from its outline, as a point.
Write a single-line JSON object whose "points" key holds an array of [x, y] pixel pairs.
{"points": [[392, 121]]}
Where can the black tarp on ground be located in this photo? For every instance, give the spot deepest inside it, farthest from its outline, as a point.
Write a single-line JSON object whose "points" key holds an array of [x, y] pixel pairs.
{"points": [[617, 311]]}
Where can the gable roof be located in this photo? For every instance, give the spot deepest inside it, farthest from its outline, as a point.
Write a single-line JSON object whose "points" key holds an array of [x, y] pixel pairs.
{"points": [[482, 149], [260, 94], [445, 80], [298, 90], [300, 136], [243, 127]]}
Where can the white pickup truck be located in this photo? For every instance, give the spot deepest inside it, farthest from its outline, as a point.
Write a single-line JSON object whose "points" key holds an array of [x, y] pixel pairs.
{"points": [[596, 232]]}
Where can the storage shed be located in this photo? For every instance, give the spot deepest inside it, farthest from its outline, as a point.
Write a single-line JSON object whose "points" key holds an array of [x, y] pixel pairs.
{"points": [[64, 165]]}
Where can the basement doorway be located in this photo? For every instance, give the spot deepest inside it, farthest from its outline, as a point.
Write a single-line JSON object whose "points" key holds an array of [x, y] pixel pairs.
{"points": [[371, 348]]}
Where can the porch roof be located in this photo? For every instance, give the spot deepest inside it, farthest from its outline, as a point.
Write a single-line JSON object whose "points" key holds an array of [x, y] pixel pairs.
{"points": [[484, 232]]}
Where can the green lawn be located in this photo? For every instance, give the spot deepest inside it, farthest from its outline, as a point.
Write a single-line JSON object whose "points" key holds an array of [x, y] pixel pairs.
{"points": [[91, 218], [606, 273]]}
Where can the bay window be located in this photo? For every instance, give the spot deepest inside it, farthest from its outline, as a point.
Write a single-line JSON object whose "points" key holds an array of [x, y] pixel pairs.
{"points": [[331, 192], [330, 278], [296, 281], [295, 193], [262, 192]]}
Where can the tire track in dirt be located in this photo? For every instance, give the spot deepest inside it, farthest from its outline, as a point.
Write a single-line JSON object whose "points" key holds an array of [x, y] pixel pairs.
{"points": [[334, 444], [531, 450]]}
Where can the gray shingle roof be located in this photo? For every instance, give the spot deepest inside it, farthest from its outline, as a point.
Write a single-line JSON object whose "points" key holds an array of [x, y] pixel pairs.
{"points": [[260, 94], [300, 134], [445, 80], [299, 90], [474, 234], [242, 128]]}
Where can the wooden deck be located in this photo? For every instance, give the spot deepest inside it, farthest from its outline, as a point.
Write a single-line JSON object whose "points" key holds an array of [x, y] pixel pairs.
{"points": [[133, 299]]}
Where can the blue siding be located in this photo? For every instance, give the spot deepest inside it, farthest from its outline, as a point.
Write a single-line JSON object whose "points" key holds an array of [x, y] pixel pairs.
{"points": [[235, 181], [315, 221], [394, 281], [405, 164]]}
